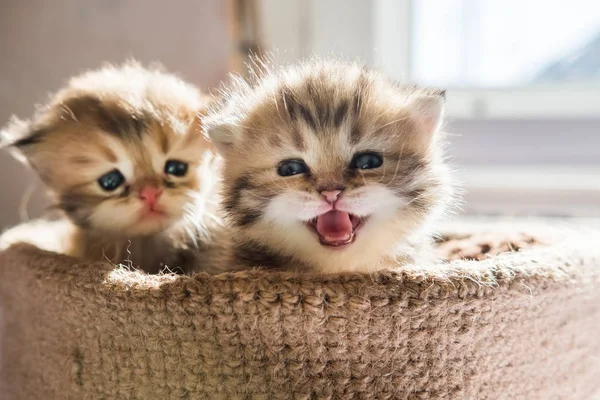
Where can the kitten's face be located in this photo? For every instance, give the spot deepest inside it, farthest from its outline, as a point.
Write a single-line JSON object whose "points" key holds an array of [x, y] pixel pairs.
{"points": [[330, 162], [136, 177]]}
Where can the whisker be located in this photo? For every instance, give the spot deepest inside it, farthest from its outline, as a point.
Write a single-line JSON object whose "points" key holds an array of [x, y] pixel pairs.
{"points": [[279, 187], [257, 196], [395, 174], [383, 177], [215, 219], [362, 175], [23, 205], [397, 165], [415, 199]]}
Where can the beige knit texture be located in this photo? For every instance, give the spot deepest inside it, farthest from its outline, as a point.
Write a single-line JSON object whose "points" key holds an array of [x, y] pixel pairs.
{"points": [[515, 325]]}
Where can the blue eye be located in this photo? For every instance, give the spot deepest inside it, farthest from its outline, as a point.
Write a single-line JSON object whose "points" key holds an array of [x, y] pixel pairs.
{"points": [[366, 161], [111, 180], [176, 168], [292, 167]]}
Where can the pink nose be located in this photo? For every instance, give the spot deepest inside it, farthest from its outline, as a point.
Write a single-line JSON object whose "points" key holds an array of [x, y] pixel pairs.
{"points": [[150, 195], [331, 195]]}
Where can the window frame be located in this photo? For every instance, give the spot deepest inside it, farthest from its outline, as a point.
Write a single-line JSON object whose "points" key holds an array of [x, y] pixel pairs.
{"points": [[537, 101]]}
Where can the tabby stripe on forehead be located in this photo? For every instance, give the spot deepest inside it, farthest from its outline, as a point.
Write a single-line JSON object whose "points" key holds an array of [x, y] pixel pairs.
{"points": [[119, 123], [355, 132], [109, 117], [296, 110], [80, 106], [307, 117], [163, 140], [274, 140], [298, 138], [288, 103], [357, 100], [138, 123]]}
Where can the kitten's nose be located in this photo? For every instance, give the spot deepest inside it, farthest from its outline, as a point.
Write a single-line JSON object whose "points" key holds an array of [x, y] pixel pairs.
{"points": [[331, 195], [150, 195]]}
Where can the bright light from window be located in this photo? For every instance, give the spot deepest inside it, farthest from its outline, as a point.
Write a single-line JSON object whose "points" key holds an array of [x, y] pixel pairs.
{"points": [[504, 43]]}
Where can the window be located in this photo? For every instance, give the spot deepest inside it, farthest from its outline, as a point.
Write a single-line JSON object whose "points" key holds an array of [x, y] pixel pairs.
{"points": [[509, 59], [523, 80], [503, 44]]}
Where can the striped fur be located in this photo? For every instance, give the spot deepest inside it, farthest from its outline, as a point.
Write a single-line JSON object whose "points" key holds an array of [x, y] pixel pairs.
{"points": [[324, 112], [131, 119]]}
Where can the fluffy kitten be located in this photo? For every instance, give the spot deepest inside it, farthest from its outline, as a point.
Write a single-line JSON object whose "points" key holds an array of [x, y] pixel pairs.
{"points": [[329, 166], [122, 153]]}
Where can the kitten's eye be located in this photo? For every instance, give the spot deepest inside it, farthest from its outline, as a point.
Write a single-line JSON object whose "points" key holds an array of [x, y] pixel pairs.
{"points": [[111, 180], [176, 168], [366, 161], [291, 167]]}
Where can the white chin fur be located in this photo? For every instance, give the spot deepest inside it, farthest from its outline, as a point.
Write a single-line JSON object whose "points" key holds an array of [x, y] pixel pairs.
{"points": [[127, 219], [286, 216]]}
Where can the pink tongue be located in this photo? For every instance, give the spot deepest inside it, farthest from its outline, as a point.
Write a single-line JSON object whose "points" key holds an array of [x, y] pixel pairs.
{"points": [[334, 225]]}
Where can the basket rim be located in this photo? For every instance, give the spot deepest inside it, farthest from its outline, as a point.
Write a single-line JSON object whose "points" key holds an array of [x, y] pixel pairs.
{"points": [[572, 255]]}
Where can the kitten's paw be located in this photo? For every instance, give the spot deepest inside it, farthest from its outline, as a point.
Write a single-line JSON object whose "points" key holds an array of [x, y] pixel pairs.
{"points": [[44, 234]]}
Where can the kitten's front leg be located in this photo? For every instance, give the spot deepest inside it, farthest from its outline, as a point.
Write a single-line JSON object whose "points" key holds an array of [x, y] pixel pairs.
{"points": [[57, 236]]}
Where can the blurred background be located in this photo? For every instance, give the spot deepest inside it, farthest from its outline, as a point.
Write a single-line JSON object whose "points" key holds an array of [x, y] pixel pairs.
{"points": [[523, 77]]}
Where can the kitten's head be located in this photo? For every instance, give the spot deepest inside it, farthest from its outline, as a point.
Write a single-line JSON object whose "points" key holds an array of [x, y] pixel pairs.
{"points": [[331, 163], [121, 149]]}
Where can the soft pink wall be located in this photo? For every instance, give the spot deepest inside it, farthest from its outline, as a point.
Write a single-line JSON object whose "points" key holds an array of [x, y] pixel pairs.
{"points": [[42, 43]]}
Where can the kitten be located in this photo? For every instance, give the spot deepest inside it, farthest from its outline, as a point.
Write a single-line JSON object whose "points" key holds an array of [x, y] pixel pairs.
{"points": [[123, 156], [329, 166]]}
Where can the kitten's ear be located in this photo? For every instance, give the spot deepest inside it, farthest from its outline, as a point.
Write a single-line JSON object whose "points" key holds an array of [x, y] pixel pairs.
{"points": [[18, 136], [196, 129], [222, 135], [14, 130], [427, 112]]}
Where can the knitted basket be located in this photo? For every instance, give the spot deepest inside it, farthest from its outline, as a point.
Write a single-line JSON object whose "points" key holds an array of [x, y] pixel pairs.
{"points": [[510, 325]]}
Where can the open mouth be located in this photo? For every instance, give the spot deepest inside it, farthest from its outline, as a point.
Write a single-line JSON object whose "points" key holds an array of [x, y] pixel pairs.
{"points": [[336, 228]]}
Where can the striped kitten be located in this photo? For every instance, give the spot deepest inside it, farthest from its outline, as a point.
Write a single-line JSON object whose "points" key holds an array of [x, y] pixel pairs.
{"points": [[329, 166], [122, 153]]}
